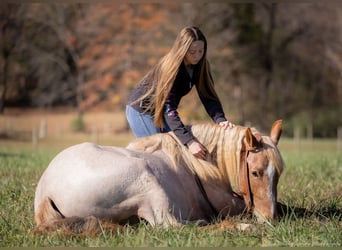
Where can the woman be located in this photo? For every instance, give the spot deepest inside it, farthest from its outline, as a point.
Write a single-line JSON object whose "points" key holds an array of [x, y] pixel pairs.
{"points": [[152, 107]]}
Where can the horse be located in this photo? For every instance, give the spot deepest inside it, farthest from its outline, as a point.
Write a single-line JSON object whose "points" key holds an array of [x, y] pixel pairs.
{"points": [[157, 179]]}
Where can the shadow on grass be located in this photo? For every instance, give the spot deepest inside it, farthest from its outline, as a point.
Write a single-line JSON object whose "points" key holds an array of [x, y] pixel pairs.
{"points": [[324, 212]]}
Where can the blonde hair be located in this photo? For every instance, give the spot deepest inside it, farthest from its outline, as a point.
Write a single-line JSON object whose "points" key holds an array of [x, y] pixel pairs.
{"points": [[163, 74]]}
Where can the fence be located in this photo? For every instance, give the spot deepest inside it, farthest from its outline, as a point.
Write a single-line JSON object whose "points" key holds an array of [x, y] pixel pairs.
{"points": [[14, 129]]}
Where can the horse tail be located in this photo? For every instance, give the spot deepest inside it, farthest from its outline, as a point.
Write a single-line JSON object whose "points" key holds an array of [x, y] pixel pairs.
{"points": [[48, 219], [47, 211]]}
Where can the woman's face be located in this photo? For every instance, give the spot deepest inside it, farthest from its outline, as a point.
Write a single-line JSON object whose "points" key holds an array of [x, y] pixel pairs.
{"points": [[194, 53]]}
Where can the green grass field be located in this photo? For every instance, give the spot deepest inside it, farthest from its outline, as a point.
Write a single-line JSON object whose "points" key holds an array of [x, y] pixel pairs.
{"points": [[311, 180]]}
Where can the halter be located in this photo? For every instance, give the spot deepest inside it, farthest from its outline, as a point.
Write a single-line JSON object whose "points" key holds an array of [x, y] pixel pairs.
{"points": [[248, 198]]}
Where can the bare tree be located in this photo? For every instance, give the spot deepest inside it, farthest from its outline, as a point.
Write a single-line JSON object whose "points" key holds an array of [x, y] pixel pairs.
{"points": [[54, 55], [11, 28]]}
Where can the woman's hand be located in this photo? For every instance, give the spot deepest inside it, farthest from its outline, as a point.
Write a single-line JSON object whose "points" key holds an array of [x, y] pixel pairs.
{"points": [[227, 124], [197, 149]]}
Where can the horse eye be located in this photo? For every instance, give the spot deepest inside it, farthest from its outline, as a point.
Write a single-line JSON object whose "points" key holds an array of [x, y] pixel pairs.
{"points": [[255, 173]]}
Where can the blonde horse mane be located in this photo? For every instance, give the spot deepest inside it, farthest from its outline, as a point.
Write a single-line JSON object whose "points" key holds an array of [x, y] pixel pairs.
{"points": [[225, 148], [225, 152]]}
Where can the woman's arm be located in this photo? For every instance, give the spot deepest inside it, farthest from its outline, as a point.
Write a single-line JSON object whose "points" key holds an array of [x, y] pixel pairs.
{"points": [[173, 120]]}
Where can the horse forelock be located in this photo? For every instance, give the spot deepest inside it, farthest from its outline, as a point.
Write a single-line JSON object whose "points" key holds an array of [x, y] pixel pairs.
{"points": [[273, 154], [271, 150]]}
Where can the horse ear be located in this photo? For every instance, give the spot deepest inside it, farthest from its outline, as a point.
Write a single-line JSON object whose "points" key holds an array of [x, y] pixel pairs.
{"points": [[251, 141], [276, 131]]}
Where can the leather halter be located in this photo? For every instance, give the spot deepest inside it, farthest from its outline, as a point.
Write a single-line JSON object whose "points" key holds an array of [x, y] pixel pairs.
{"points": [[248, 197], [249, 201]]}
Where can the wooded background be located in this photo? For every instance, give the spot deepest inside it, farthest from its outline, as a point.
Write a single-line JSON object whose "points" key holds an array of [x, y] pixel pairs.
{"points": [[269, 60]]}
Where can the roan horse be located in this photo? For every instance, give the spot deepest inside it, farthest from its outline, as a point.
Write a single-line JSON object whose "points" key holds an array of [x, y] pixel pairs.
{"points": [[156, 179]]}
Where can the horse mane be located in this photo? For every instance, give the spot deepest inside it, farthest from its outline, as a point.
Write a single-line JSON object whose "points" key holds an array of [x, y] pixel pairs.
{"points": [[225, 148]]}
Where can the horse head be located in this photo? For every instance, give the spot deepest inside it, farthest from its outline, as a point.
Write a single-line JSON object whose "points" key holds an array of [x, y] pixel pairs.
{"points": [[261, 169]]}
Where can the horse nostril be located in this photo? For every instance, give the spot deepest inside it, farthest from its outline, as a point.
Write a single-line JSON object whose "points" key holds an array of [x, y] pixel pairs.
{"points": [[255, 173]]}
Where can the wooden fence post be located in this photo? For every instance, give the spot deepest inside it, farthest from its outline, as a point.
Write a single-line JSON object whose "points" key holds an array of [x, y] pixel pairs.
{"points": [[106, 129], [309, 131], [43, 128], [296, 136], [9, 127], [35, 139], [95, 135], [339, 139]]}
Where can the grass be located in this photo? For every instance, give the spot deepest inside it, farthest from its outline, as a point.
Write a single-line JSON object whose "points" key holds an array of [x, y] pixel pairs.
{"points": [[311, 180]]}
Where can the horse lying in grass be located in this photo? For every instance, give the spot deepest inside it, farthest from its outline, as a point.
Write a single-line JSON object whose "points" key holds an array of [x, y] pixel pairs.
{"points": [[157, 179]]}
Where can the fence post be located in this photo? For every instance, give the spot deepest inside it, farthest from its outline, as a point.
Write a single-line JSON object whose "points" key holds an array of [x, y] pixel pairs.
{"points": [[309, 131], [106, 129], [95, 135], [8, 126], [43, 128], [35, 139], [309, 134], [296, 136], [339, 139]]}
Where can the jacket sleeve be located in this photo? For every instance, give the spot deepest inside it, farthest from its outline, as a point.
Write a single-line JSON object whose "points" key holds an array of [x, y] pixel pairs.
{"points": [[213, 108], [173, 120]]}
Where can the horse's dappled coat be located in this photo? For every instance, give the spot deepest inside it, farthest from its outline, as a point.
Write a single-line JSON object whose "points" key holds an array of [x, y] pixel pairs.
{"points": [[153, 178]]}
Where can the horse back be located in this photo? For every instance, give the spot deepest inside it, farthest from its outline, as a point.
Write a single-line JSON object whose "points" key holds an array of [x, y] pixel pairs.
{"points": [[86, 178]]}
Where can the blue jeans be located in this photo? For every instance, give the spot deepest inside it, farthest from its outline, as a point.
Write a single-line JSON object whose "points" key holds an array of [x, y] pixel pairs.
{"points": [[142, 124]]}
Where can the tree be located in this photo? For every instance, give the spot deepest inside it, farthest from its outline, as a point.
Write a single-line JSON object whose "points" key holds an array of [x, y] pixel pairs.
{"points": [[54, 54], [11, 28], [269, 60]]}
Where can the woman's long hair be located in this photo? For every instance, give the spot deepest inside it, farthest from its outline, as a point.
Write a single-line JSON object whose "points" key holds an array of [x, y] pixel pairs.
{"points": [[163, 74]]}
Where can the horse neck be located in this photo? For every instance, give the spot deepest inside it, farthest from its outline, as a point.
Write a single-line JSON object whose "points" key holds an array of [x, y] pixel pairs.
{"points": [[225, 147]]}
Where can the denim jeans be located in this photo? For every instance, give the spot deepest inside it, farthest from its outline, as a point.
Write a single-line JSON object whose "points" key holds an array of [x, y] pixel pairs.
{"points": [[142, 124]]}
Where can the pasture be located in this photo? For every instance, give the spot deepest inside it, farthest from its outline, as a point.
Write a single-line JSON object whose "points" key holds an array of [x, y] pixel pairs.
{"points": [[311, 180]]}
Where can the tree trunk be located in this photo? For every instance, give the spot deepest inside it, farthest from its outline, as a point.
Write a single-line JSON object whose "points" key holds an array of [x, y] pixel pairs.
{"points": [[4, 80]]}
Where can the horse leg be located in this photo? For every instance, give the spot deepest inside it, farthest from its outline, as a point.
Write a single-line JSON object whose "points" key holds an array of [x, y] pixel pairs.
{"points": [[157, 213], [155, 209], [157, 216], [151, 208]]}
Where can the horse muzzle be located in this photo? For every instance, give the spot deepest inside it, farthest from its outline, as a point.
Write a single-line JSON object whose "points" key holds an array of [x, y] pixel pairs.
{"points": [[266, 215]]}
